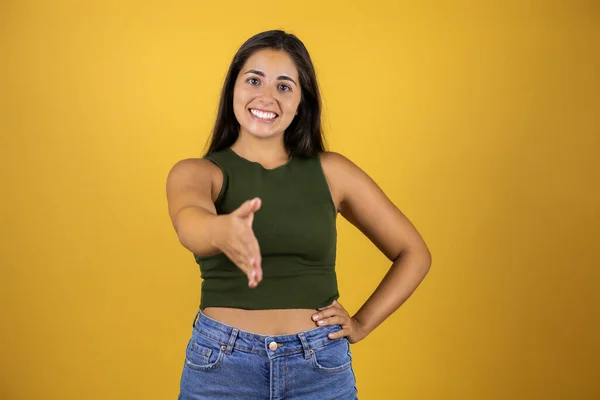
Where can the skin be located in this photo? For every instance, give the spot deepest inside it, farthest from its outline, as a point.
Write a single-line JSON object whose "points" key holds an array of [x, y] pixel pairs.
{"points": [[194, 184]]}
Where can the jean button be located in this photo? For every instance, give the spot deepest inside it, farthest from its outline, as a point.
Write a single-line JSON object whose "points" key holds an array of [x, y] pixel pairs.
{"points": [[273, 346]]}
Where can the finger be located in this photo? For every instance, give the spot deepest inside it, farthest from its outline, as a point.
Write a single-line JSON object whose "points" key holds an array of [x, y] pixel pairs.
{"points": [[329, 312], [247, 248], [250, 273], [237, 258], [256, 273], [244, 263], [252, 282], [339, 334], [241, 259], [244, 210], [255, 207], [248, 207], [335, 320], [254, 250], [257, 203], [323, 308], [259, 273], [247, 263]]}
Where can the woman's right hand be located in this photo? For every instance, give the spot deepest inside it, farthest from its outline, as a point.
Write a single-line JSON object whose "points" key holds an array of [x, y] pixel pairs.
{"points": [[237, 241]]}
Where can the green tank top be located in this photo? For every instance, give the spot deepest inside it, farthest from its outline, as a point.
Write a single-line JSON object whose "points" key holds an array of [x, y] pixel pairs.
{"points": [[296, 231]]}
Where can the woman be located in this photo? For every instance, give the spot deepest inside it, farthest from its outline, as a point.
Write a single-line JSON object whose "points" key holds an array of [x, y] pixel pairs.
{"points": [[259, 214]]}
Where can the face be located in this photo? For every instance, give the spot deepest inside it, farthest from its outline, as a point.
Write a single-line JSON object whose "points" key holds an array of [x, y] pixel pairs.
{"points": [[266, 94]]}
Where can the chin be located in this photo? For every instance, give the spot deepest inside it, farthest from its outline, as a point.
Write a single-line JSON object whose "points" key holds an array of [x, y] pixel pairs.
{"points": [[262, 133]]}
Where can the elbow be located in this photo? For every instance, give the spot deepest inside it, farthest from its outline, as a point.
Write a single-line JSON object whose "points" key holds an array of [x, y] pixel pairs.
{"points": [[190, 240], [183, 240], [184, 229], [420, 256], [427, 258], [424, 255], [422, 259], [185, 235], [193, 240]]}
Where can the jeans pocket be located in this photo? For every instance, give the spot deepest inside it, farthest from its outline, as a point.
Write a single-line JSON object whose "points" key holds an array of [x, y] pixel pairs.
{"points": [[332, 358], [203, 354]]}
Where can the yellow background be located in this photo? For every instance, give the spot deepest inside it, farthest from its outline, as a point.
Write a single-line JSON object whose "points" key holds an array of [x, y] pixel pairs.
{"points": [[479, 120]]}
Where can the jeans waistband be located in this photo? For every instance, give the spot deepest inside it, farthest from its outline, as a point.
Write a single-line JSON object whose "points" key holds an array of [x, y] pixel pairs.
{"points": [[231, 338]]}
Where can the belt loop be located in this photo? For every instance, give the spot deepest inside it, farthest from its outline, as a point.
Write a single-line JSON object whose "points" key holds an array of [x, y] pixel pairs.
{"points": [[232, 338], [307, 350], [196, 318]]}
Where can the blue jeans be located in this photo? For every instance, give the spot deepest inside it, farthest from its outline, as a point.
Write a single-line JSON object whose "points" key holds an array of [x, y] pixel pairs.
{"points": [[223, 362]]}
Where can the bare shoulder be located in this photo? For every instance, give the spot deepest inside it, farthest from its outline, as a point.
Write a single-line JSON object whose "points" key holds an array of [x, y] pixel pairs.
{"points": [[340, 173], [339, 169], [334, 161], [195, 176], [195, 167]]}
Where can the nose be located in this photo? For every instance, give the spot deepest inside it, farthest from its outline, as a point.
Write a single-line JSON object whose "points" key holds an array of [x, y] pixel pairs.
{"points": [[267, 94]]}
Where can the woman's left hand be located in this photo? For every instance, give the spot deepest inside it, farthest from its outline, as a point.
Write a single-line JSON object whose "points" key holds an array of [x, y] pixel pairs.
{"points": [[336, 314]]}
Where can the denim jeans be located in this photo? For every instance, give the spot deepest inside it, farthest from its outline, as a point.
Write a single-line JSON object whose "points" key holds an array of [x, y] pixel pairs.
{"points": [[223, 362]]}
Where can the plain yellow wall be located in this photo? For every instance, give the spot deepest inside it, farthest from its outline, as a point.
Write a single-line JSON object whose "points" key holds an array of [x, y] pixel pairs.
{"points": [[479, 120]]}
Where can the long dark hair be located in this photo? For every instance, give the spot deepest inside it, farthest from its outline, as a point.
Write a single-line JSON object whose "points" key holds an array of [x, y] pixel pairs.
{"points": [[304, 136]]}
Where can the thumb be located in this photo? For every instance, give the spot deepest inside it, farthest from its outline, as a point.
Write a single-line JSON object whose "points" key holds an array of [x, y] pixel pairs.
{"points": [[248, 208]]}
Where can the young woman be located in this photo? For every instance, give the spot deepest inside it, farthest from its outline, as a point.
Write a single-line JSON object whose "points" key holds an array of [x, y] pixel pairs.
{"points": [[259, 214]]}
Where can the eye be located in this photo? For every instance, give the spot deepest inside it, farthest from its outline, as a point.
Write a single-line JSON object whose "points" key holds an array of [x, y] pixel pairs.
{"points": [[284, 88], [253, 81]]}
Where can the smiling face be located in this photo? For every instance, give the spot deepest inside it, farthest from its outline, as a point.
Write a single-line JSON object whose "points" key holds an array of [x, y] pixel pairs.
{"points": [[266, 94]]}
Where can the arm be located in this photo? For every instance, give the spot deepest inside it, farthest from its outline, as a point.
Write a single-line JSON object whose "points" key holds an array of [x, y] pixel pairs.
{"points": [[192, 187], [190, 197], [365, 206]]}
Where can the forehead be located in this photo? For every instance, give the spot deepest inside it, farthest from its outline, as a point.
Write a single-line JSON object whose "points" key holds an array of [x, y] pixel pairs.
{"points": [[272, 63]]}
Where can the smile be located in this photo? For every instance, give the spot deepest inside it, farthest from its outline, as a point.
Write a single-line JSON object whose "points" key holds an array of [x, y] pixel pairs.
{"points": [[262, 116]]}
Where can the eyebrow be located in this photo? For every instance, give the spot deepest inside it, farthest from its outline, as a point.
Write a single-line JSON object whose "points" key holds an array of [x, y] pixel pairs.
{"points": [[280, 77]]}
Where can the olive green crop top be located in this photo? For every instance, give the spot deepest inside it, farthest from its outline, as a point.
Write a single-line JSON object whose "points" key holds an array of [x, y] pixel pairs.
{"points": [[295, 228]]}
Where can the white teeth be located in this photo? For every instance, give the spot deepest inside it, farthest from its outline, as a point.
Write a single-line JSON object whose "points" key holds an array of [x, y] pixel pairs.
{"points": [[263, 115]]}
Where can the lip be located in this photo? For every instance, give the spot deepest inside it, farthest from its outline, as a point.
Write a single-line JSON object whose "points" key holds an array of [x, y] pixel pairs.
{"points": [[264, 121]]}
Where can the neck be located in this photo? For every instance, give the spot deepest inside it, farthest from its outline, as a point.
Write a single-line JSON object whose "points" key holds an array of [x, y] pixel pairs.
{"points": [[267, 151]]}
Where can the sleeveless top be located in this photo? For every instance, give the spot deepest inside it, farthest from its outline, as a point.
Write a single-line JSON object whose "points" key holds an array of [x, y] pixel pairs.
{"points": [[296, 232]]}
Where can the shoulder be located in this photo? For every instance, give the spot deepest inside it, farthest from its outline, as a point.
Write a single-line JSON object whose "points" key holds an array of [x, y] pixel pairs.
{"points": [[336, 164], [343, 176], [333, 159], [346, 178], [193, 166], [195, 172]]}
